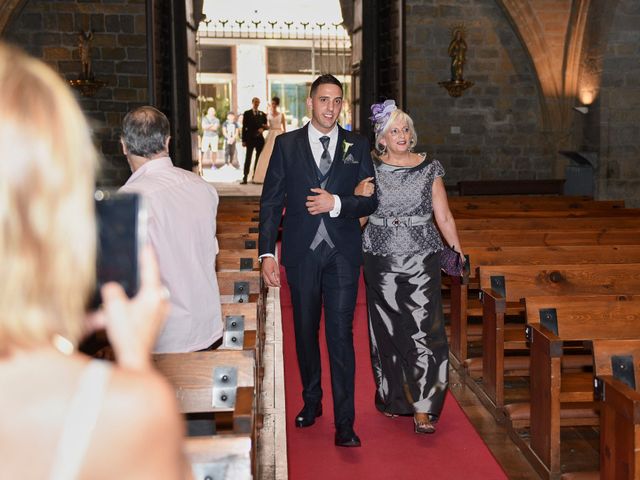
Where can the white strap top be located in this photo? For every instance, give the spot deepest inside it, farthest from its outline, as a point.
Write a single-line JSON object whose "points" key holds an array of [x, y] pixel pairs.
{"points": [[80, 420]]}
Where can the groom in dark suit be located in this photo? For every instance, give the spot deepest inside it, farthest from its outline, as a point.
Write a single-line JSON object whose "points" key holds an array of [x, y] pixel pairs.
{"points": [[254, 122], [313, 171]]}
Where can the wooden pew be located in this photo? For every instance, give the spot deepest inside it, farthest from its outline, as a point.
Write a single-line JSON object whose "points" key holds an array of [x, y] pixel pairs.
{"points": [[551, 322], [229, 455], [464, 304], [237, 240], [549, 237], [525, 202], [222, 383], [503, 286], [619, 408], [521, 199], [248, 312], [511, 187], [549, 224], [237, 227], [239, 287], [237, 259], [192, 376], [537, 207], [508, 213]]}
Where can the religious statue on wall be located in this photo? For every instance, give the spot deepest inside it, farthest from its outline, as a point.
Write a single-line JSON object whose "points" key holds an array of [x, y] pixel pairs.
{"points": [[86, 82], [458, 53], [84, 47]]}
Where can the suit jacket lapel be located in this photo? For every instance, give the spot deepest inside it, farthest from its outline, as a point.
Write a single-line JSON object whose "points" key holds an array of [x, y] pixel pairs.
{"points": [[306, 156]]}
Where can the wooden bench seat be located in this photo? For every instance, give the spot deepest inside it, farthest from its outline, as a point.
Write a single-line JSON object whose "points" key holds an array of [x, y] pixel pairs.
{"points": [[549, 237], [507, 283], [547, 224], [581, 476], [518, 415], [527, 203], [237, 240], [511, 187], [251, 332], [237, 227], [231, 454], [462, 289], [552, 321], [237, 259], [193, 376], [620, 407], [240, 287], [498, 199], [507, 213]]}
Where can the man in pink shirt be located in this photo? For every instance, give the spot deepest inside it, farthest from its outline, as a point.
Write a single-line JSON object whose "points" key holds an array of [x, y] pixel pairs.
{"points": [[181, 209]]}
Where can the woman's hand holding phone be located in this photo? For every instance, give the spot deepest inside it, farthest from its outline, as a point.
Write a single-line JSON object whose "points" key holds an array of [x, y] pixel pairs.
{"points": [[132, 324]]}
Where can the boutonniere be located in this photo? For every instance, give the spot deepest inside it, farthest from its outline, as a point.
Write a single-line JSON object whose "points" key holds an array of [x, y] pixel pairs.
{"points": [[346, 156]]}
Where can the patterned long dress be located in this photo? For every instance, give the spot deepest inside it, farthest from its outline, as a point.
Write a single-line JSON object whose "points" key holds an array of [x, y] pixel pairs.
{"points": [[409, 350]]}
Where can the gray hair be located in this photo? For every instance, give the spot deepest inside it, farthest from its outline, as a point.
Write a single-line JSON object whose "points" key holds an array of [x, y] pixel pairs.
{"points": [[145, 131]]}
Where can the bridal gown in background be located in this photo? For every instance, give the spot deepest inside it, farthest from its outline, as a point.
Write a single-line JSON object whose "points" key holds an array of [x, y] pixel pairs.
{"points": [[275, 129]]}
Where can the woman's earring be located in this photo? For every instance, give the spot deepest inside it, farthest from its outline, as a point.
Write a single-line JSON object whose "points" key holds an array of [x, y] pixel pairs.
{"points": [[412, 143], [382, 149]]}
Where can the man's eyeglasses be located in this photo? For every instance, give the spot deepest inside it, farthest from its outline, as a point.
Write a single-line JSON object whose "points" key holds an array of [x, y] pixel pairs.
{"points": [[394, 132]]}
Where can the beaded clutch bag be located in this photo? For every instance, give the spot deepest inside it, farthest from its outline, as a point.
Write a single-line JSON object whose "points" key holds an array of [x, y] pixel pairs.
{"points": [[450, 261]]}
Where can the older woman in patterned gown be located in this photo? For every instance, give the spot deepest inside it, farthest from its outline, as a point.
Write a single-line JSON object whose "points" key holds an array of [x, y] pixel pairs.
{"points": [[402, 246]]}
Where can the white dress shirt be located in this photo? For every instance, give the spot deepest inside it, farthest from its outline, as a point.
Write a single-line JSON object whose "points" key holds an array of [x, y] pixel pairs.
{"points": [[181, 210], [317, 148]]}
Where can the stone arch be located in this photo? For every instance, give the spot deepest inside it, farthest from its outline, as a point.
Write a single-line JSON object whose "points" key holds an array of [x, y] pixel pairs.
{"points": [[9, 11], [545, 45]]}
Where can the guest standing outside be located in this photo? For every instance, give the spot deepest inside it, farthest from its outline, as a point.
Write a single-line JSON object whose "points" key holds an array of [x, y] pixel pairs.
{"points": [[401, 244], [210, 126], [230, 131], [254, 122]]}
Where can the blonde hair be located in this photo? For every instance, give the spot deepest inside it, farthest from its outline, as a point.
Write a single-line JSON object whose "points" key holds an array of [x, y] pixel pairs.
{"points": [[47, 225], [396, 115]]}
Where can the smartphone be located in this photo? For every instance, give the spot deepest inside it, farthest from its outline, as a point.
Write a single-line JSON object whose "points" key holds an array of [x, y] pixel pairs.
{"points": [[122, 232]]}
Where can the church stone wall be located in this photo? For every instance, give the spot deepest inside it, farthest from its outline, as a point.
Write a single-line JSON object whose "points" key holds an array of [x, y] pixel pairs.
{"points": [[619, 102], [49, 30], [499, 118]]}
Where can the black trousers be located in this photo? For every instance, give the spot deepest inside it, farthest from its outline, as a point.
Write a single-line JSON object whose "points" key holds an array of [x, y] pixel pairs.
{"points": [[326, 277], [257, 146]]}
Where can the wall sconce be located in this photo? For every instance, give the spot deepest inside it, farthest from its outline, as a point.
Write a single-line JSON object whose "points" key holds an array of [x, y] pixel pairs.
{"points": [[86, 83], [583, 110]]}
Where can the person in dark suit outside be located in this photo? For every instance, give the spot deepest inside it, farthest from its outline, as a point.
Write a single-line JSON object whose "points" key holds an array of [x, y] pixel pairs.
{"points": [[313, 171], [254, 122]]}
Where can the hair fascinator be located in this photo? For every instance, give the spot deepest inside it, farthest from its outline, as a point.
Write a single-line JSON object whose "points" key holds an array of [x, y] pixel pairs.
{"points": [[380, 113]]}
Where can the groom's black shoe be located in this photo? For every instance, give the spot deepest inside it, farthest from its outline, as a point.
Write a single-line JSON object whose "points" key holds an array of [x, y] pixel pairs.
{"points": [[346, 437], [308, 414]]}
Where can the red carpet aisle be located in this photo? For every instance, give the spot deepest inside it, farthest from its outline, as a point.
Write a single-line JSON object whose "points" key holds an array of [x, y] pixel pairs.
{"points": [[390, 449]]}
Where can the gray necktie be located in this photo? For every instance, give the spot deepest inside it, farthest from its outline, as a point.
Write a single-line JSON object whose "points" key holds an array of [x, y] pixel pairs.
{"points": [[325, 159], [325, 165]]}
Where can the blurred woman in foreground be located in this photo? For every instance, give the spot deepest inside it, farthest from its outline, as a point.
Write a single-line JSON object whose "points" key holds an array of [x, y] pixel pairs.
{"points": [[65, 415]]}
